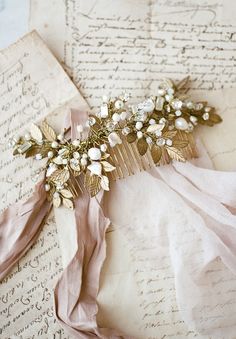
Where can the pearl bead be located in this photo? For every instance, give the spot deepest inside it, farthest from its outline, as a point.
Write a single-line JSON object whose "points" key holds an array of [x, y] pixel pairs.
{"points": [[193, 119], [56, 195], [64, 161], [83, 162], [116, 117], [27, 136], [50, 154], [181, 123], [139, 134], [54, 144], [148, 106], [94, 153], [103, 147], [161, 92], [76, 142], [152, 121], [76, 155], [119, 104], [139, 125], [123, 115], [84, 156]]}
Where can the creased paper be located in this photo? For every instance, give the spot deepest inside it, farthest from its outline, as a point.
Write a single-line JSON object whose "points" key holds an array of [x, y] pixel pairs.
{"points": [[32, 86]]}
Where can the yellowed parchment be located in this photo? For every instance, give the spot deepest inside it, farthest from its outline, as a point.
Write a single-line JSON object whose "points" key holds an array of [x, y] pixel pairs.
{"points": [[111, 46], [33, 85]]}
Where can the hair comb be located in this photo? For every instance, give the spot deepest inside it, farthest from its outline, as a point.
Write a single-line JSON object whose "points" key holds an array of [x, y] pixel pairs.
{"points": [[121, 139]]}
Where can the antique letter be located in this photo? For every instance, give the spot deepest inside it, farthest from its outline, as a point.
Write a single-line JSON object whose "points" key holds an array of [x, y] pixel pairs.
{"points": [[108, 47], [32, 85]]}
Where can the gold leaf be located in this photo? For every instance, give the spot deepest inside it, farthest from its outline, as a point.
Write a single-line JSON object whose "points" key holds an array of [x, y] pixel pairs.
{"points": [[180, 143], [107, 166], [56, 201], [142, 146], [169, 134], [182, 83], [215, 118], [131, 137], [156, 153], [105, 183], [66, 194], [175, 154], [60, 176], [36, 133], [68, 203], [155, 127], [92, 183], [48, 131], [15, 152], [33, 150]]}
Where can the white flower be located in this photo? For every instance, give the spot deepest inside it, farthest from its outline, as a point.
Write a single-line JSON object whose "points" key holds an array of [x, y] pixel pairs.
{"points": [[95, 168], [94, 153], [114, 139]]}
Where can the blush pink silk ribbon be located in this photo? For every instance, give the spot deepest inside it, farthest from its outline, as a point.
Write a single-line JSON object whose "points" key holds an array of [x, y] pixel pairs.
{"points": [[212, 192]]}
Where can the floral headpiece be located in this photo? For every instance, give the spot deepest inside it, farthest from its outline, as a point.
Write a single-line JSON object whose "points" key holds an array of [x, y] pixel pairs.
{"points": [[115, 140]]}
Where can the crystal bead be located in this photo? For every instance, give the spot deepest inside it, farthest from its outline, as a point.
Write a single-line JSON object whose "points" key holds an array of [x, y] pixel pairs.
{"points": [[169, 142], [125, 130], [149, 140], [168, 97], [159, 103], [104, 111], [176, 104], [193, 119], [207, 109], [206, 116], [190, 104], [110, 126], [190, 127], [178, 113], [76, 155], [91, 121], [119, 104], [198, 106], [160, 142]]}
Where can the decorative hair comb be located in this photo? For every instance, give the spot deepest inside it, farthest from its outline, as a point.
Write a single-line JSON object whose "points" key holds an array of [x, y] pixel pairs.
{"points": [[121, 139]]}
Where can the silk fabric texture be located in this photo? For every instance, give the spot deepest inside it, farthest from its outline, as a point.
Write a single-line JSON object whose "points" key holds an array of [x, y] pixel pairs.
{"points": [[210, 194]]}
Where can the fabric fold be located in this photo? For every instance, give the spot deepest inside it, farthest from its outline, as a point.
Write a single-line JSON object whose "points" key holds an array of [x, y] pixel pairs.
{"points": [[77, 289], [211, 197], [20, 225]]}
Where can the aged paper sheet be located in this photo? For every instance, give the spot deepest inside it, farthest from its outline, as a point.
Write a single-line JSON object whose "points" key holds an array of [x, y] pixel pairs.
{"points": [[108, 47], [32, 85], [112, 46]]}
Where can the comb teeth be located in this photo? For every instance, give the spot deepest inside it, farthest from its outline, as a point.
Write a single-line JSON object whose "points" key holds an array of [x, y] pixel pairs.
{"points": [[128, 161]]}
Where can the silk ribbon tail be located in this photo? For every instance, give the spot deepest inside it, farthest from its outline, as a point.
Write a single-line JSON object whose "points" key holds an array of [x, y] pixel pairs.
{"points": [[20, 225], [77, 289]]}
